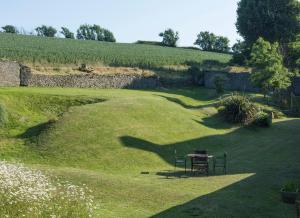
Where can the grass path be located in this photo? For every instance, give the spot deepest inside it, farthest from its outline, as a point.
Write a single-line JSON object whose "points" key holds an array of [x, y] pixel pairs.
{"points": [[107, 143]]}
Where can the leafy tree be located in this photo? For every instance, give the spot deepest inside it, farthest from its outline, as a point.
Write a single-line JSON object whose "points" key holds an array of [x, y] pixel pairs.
{"points": [[269, 72], [67, 33], [210, 42], [241, 52], [295, 53], [46, 31], [95, 32], [222, 44], [10, 29], [170, 38], [274, 20], [206, 41]]}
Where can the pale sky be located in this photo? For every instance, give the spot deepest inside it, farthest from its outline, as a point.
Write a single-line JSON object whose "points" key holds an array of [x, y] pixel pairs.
{"points": [[129, 20]]}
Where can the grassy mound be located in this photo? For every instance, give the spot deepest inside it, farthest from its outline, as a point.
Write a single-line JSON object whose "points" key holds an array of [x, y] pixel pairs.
{"points": [[31, 49], [107, 144]]}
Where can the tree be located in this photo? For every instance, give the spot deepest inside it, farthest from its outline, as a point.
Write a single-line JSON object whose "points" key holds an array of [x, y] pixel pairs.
{"points": [[241, 52], [95, 32], [269, 73], [274, 20], [210, 42], [46, 31], [67, 33], [222, 44], [10, 29], [206, 40], [170, 38]]}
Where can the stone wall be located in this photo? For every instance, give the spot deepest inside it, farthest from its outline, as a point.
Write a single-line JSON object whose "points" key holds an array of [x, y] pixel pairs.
{"points": [[9, 73], [296, 86], [88, 80], [234, 81]]}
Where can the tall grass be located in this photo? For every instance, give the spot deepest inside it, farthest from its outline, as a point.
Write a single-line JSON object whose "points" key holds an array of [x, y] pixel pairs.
{"points": [[28, 193], [34, 49]]}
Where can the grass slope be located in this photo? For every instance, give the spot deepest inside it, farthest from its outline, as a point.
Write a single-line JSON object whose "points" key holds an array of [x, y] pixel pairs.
{"points": [[108, 140], [32, 49]]}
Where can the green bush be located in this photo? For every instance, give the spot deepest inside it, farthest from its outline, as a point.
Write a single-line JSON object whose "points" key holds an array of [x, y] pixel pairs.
{"points": [[3, 115], [290, 187], [219, 84], [196, 73], [238, 109], [262, 119]]}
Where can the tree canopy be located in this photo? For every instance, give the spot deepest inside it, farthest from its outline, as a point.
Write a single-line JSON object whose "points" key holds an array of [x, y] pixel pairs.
{"points": [[170, 38], [274, 20], [10, 29], [67, 33], [47, 31], [269, 73], [95, 32], [210, 42]]}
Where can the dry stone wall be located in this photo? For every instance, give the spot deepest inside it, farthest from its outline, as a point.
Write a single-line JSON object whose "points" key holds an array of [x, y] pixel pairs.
{"points": [[9, 73], [92, 81], [233, 81]]}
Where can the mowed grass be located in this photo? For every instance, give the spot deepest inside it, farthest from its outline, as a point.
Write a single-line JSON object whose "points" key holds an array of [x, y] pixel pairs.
{"points": [[109, 139], [54, 51]]}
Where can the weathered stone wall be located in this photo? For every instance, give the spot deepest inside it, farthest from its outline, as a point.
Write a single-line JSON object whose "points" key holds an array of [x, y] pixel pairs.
{"points": [[296, 86], [9, 73], [234, 81], [91, 81]]}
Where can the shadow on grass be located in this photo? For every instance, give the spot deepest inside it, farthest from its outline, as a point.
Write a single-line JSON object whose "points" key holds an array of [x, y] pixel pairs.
{"points": [[181, 103], [269, 156]]}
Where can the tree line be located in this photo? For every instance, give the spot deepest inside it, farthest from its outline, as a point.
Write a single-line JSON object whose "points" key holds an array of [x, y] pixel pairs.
{"points": [[84, 32], [271, 42], [205, 40]]}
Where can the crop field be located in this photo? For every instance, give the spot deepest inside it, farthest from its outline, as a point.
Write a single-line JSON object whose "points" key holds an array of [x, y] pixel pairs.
{"points": [[42, 50]]}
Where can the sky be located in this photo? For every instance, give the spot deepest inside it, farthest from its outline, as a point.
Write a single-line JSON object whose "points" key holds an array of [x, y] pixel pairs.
{"points": [[129, 20]]}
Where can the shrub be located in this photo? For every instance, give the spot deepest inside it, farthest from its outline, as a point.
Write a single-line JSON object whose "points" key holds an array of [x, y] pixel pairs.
{"points": [[262, 119], [219, 82], [238, 109], [196, 73], [28, 193], [290, 187], [3, 116]]}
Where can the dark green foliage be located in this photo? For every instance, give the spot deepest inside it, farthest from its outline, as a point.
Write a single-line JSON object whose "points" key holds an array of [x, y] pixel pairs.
{"points": [[196, 73], [3, 115], [95, 32], [210, 42], [238, 109], [274, 20], [219, 82], [290, 187], [10, 29], [170, 38], [241, 53], [46, 31], [148, 42], [67, 33], [262, 119], [269, 72], [295, 53]]}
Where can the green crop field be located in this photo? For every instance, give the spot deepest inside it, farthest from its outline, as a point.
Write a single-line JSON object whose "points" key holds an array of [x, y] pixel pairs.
{"points": [[107, 138], [32, 49]]}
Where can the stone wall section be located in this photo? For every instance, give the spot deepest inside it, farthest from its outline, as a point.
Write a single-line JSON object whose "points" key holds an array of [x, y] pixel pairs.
{"points": [[9, 73]]}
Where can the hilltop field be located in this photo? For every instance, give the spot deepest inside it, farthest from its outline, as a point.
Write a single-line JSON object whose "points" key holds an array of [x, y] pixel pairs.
{"points": [[43, 51], [121, 144]]}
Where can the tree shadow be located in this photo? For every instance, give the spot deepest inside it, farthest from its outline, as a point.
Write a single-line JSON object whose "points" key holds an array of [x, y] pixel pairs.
{"points": [[186, 106], [271, 155]]}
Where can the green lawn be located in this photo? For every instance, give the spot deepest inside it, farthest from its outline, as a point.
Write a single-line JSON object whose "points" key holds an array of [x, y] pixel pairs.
{"points": [[107, 138]]}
